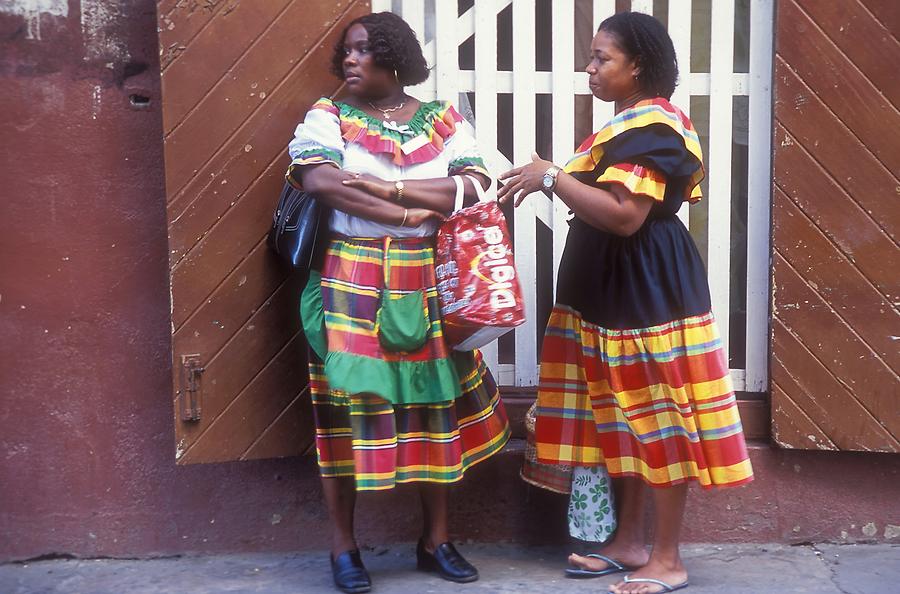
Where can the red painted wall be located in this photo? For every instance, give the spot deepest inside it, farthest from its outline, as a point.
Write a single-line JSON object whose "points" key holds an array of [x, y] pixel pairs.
{"points": [[86, 435]]}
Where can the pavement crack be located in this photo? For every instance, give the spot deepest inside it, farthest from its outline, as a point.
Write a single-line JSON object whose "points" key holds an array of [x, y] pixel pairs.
{"points": [[832, 572], [52, 557]]}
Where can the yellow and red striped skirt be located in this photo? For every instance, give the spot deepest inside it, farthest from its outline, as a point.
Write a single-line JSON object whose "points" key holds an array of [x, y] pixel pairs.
{"points": [[655, 403]]}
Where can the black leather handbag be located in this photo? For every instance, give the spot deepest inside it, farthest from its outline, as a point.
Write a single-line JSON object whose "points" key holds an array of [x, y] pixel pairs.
{"points": [[299, 225]]}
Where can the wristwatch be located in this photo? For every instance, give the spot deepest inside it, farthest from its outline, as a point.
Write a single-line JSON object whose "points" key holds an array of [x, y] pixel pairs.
{"points": [[549, 179], [398, 187]]}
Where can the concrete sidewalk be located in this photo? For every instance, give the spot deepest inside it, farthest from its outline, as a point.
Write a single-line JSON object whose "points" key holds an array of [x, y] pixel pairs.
{"points": [[737, 569]]}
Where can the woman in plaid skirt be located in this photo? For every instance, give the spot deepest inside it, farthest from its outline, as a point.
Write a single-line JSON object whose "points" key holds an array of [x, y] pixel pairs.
{"points": [[392, 403], [633, 373]]}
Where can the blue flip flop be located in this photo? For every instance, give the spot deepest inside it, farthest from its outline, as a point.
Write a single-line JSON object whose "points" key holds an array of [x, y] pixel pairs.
{"points": [[614, 567], [665, 587]]}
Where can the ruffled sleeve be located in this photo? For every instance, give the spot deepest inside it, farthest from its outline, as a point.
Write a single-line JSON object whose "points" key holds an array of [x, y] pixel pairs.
{"points": [[652, 149], [637, 179], [464, 156], [317, 139]]}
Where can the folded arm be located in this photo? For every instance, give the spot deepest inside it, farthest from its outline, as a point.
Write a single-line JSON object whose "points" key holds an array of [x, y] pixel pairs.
{"points": [[436, 194], [326, 183]]}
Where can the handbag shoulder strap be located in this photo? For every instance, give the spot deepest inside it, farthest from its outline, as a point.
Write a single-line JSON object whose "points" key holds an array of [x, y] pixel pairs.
{"points": [[478, 189], [460, 192]]}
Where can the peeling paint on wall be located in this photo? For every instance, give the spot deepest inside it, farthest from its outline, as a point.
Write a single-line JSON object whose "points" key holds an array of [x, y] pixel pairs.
{"points": [[24, 7], [98, 19], [33, 10], [96, 99]]}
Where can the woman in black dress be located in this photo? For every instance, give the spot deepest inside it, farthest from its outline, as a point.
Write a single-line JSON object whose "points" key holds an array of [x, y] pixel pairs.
{"points": [[633, 373]]}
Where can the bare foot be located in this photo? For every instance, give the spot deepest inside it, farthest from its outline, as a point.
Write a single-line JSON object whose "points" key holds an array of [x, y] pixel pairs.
{"points": [[630, 556], [672, 574]]}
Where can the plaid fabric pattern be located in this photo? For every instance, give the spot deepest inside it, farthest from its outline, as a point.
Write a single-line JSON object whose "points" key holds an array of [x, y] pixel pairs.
{"points": [[383, 444], [637, 179], [366, 436], [652, 402], [352, 280]]}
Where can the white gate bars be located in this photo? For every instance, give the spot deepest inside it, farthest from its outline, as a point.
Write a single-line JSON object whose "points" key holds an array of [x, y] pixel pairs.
{"points": [[437, 23]]}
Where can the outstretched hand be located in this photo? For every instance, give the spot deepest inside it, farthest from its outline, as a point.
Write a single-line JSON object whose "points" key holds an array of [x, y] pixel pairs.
{"points": [[523, 180]]}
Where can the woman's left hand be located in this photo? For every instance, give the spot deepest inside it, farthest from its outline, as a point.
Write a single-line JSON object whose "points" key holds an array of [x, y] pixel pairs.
{"points": [[371, 185], [523, 180]]}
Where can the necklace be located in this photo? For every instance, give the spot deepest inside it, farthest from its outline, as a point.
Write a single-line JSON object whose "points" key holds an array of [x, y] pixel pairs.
{"points": [[402, 129], [386, 111]]}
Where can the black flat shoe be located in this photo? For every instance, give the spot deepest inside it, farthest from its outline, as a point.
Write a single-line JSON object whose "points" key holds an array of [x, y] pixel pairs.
{"points": [[349, 573], [447, 562]]}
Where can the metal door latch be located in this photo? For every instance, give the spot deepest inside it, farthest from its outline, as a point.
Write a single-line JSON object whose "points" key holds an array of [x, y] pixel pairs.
{"points": [[191, 387]]}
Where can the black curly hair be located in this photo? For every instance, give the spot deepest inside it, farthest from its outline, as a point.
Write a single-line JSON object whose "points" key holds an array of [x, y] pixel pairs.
{"points": [[646, 40], [393, 45]]}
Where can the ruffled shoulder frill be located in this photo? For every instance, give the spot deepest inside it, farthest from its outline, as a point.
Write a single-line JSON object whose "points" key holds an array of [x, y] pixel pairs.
{"points": [[326, 104], [419, 140], [654, 137]]}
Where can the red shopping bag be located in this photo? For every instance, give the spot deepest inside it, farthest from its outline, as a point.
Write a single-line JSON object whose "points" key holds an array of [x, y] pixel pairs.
{"points": [[478, 286]]}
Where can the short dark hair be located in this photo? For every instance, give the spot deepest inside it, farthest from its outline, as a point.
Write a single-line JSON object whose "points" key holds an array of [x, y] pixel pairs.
{"points": [[393, 45], [646, 40]]}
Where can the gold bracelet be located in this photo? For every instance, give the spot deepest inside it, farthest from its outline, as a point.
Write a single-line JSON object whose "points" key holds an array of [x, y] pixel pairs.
{"points": [[405, 214], [398, 186]]}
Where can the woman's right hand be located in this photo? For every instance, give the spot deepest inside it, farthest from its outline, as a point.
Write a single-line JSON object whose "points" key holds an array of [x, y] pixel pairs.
{"points": [[417, 216]]}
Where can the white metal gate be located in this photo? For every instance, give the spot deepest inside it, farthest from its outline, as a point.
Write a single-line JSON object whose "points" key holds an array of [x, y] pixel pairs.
{"points": [[443, 30]]}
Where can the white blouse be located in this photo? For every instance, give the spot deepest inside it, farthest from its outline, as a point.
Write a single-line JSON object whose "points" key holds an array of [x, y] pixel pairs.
{"points": [[436, 142]]}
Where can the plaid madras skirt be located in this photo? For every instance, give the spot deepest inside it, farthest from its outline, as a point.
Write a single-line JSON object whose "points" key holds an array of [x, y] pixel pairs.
{"points": [[365, 432], [653, 402]]}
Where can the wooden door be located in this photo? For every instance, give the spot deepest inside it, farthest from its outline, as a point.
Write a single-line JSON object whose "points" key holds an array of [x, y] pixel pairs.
{"points": [[237, 77], [836, 215]]}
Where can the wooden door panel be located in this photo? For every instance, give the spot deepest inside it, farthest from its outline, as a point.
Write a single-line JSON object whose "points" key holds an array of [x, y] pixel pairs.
{"points": [[237, 77], [231, 433], [294, 425], [247, 353], [232, 163], [206, 61], [836, 345], [835, 361], [232, 303], [858, 177], [849, 22], [826, 402], [824, 266], [256, 77], [833, 212], [796, 422], [225, 180], [231, 238], [835, 79], [179, 23], [886, 13]]}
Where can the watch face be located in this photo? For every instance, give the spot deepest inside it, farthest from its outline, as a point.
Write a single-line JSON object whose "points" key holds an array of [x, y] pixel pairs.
{"points": [[548, 181]]}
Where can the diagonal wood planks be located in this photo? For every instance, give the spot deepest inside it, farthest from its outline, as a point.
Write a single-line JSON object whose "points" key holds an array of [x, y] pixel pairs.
{"points": [[237, 77], [836, 327]]}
